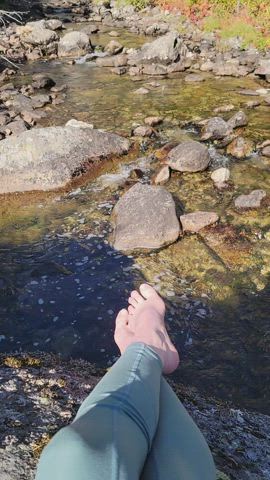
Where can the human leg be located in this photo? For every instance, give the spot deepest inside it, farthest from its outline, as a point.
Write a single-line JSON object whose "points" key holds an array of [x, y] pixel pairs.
{"points": [[179, 450], [115, 426]]}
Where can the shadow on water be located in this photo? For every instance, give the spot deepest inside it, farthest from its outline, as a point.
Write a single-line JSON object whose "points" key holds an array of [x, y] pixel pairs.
{"points": [[62, 296]]}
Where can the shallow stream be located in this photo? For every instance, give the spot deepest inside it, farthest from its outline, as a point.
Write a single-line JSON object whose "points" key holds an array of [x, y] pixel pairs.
{"points": [[61, 283]]}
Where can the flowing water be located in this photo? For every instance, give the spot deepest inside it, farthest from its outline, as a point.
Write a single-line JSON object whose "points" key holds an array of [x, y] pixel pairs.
{"points": [[61, 283]]}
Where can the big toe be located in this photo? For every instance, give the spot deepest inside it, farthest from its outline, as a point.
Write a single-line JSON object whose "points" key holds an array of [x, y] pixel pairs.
{"points": [[147, 291]]}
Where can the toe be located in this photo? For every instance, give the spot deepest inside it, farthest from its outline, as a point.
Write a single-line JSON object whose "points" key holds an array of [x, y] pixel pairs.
{"points": [[134, 294], [122, 318], [131, 310], [147, 291], [132, 302]]}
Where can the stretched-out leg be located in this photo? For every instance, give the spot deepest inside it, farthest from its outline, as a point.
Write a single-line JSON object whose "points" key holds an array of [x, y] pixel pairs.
{"points": [[114, 428], [179, 450]]}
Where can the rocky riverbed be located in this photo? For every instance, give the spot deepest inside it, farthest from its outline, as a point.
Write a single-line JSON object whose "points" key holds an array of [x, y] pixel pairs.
{"points": [[134, 148]]}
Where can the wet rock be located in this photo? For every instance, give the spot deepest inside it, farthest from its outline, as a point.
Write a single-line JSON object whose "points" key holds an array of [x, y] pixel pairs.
{"points": [[31, 117], [145, 218], [113, 33], [153, 121], [252, 104], [164, 50], [39, 101], [176, 67], [220, 175], [215, 129], [74, 44], [142, 91], [113, 47], [193, 77], [119, 70], [78, 124], [252, 200], [143, 131], [136, 174], [162, 177], [238, 120], [189, 156], [59, 88], [267, 100], [240, 147], [90, 29], [48, 158], [105, 61], [196, 221], [224, 108], [41, 80]]}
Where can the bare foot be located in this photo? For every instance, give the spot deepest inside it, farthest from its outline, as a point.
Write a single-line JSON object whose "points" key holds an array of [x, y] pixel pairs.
{"points": [[144, 322]]}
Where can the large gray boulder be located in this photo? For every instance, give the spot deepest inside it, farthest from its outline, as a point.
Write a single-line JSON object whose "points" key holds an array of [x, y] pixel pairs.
{"points": [[190, 156], [164, 50], [40, 36], [145, 218], [74, 44], [48, 158]]}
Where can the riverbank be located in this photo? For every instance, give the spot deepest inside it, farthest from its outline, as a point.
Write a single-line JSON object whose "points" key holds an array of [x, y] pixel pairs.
{"points": [[42, 393]]}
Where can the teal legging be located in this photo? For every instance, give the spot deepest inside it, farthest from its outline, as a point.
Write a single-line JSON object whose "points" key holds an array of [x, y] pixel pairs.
{"points": [[131, 426]]}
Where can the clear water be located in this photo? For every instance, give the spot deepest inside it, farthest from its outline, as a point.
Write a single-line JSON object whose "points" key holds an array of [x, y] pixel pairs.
{"points": [[61, 283]]}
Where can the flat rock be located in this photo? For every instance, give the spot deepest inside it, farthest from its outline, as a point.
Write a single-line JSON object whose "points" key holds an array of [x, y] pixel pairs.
{"points": [[145, 218], [263, 67], [240, 147], [239, 119], [153, 121], [251, 200], [164, 50], [39, 101], [48, 158], [194, 77], [41, 80], [90, 29], [40, 37], [215, 129], [142, 91], [15, 128], [224, 108], [196, 221], [74, 44], [189, 156]]}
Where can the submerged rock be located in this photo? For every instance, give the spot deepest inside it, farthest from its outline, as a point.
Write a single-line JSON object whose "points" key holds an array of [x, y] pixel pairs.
{"points": [[251, 200], [220, 175], [240, 147], [266, 151], [145, 218], [215, 129], [196, 221], [239, 119], [190, 156], [74, 44], [48, 158]]}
